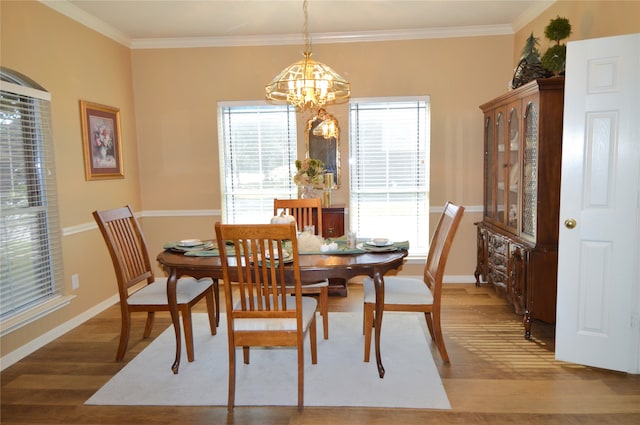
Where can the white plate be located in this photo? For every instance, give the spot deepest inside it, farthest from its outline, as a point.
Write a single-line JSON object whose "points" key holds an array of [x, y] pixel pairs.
{"points": [[202, 247], [190, 242], [372, 243], [373, 248]]}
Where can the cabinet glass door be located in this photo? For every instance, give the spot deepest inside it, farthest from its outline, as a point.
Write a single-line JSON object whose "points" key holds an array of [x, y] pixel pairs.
{"points": [[530, 172], [513, 168], [489, 200], [500, 163]]}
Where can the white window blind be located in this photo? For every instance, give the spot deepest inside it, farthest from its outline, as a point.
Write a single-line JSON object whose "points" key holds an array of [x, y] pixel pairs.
{"points": [[30, 251], [258, 149], [389, 170]]}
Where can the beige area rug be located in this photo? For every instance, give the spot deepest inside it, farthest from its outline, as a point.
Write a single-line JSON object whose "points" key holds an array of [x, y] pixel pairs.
{"points": [[340, 378]]}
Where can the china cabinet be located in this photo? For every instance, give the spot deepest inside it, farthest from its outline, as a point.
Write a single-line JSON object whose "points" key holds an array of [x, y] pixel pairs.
{"points": [[517, 239]]}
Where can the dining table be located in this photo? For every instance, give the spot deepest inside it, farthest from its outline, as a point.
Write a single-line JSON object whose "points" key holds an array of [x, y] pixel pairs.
{"points": [[313, 267]]}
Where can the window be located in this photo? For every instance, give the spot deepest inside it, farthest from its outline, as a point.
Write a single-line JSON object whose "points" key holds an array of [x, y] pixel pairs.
{"points": [[389, 170], [258, 149], [30, 252]]}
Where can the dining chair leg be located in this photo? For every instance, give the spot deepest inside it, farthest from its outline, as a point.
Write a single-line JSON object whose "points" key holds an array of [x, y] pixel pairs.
{"points": [[437, 329], [216, 297], [429, 320], [324, 310], [125, 329], [149, 324], [368, 329], [231, 398], [300, 375], [213, 312], [313, 341], [188, 332]]}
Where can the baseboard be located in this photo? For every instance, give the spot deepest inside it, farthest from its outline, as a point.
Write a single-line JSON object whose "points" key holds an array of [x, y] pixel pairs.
{"points": [[453, 279], [39, 342]]}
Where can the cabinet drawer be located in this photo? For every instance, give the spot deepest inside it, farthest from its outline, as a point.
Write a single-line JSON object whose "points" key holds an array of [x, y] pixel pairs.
{"points": [[332, 222], [498, 245]]}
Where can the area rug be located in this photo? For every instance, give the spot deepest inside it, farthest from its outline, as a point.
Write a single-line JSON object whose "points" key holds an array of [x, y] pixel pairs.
{"points": [[340, 378]]}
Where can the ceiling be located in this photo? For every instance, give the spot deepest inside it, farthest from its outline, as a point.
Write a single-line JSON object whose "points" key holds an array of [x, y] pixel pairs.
{"points": [[161, 23]]}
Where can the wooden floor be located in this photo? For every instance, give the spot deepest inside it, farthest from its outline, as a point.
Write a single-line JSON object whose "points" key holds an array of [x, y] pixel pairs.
{"points": [[495, 377]]}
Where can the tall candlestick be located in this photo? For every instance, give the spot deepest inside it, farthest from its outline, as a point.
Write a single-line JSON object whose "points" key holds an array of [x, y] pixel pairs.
{"points": [[328, 181]]}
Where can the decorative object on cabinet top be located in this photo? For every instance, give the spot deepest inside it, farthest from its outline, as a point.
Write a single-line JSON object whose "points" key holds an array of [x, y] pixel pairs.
{"points": [[555, 58]]}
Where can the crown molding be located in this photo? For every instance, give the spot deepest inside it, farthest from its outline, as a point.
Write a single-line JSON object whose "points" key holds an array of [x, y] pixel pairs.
{"points": [[323, 38], [90, 21]]}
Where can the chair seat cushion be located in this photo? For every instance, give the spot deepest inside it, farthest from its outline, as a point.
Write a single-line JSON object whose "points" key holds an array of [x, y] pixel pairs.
{"points": [[187, 289], [316, 284], [308, 313], [399, 290], [310, 288]]}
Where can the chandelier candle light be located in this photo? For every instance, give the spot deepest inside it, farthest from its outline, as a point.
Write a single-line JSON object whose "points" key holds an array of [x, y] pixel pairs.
{"points": [[307, 84]]}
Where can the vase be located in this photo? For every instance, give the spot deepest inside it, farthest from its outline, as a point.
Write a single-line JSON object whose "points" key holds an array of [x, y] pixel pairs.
{"points": [[309, 192]]}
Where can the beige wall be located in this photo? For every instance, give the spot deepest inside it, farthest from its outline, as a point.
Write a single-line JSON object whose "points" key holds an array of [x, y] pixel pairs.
{"points": [[177, 91], [170, 131], [73, 62]]}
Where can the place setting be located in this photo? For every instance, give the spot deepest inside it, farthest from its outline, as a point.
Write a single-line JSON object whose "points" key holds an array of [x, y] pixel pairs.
{"points": [[190, 245], [378, 245]]}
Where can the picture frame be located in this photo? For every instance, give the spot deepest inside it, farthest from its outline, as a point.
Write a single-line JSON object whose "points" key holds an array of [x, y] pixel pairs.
{"points": [[101, 141]]}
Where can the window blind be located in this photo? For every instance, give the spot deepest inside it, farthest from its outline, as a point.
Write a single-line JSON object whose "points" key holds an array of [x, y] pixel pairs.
{"points": [[258, 149], [389, 170], [30, 249]]}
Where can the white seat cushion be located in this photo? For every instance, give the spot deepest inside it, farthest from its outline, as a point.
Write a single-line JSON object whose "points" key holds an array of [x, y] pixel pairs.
{"points": [[187, 289], [316, 284], [308, 312], [306, 286], [399, 290]]}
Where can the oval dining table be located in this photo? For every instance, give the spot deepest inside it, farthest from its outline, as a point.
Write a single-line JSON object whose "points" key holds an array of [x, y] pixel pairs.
{"points": [[313, 267]]}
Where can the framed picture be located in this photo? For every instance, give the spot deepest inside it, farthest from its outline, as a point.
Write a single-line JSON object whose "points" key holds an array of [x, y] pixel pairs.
{"points": [[101, 141]]}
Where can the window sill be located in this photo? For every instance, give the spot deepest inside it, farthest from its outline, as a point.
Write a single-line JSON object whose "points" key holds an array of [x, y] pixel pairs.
{"points": [[416, 259], [29, 316]]}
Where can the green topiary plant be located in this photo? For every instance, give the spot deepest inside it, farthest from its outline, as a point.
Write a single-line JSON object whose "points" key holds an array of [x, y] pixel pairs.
{"points": [[554, 59], [558, 29]]}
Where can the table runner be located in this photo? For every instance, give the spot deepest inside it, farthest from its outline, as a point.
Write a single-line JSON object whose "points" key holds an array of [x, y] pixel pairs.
{"points": [[341, 241]]}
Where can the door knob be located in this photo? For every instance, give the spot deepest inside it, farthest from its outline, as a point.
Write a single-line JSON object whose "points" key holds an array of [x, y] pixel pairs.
{"points": [[570, 223]]}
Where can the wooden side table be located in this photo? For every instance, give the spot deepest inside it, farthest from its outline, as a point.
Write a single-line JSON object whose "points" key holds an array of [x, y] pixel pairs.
{"points": [[333, 227], [332, 222]]}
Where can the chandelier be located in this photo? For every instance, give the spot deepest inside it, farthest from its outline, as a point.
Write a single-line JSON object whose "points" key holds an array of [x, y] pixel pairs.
{"points": [[307, 84]]}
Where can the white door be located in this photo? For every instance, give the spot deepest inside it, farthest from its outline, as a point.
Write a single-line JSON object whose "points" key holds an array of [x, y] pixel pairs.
{"points": [[598, 253]]}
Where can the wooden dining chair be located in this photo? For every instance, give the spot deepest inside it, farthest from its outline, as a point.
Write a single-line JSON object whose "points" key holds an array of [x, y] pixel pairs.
{"points": [[308, 212], [260, 312], [139, 289], [415, 295]]}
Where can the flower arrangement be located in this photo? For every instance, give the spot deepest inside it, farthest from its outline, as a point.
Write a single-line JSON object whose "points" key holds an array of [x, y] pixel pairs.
{"points": [[103, 139], [310, 172]]}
